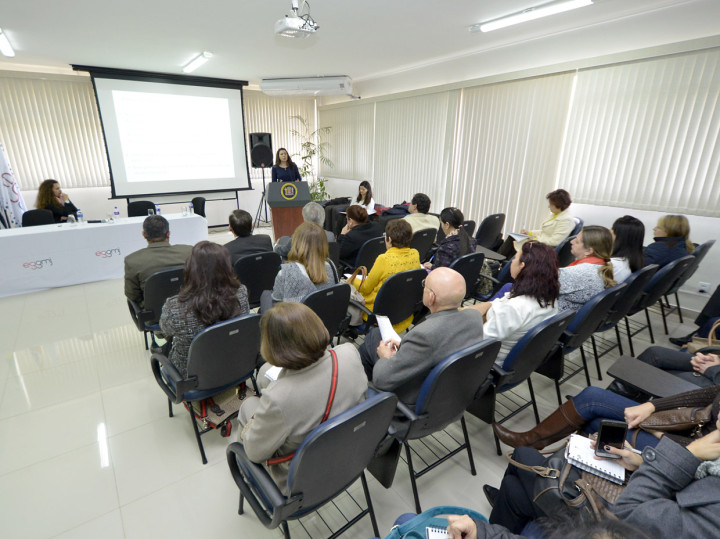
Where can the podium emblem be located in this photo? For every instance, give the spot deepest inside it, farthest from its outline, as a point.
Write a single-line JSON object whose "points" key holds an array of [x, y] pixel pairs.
{"points": [[288, 191]]}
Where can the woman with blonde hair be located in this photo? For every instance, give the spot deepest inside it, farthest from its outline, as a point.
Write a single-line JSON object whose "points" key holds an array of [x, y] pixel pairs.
{"points": [[51, 197], [307, 268], [671, 240], [592, 271]]}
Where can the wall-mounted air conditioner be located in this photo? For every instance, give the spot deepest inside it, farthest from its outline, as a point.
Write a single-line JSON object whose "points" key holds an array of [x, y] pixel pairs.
{"points": [[307, 86]]}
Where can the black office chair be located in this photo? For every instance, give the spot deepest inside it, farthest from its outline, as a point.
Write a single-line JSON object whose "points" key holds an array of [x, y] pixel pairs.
{"points": [[140, 208], [399, 297], [330, 459], [331, 305], [469, 267], [527, 355], [368, 253], [158, 287], [199, 206], [659, 285], [37, 218], [422, 240], [444, 395], [489, 231], [565, 257], [220, 357], [579, 223], [585, 322], [257, 272], [334, 253], [468, 225]]}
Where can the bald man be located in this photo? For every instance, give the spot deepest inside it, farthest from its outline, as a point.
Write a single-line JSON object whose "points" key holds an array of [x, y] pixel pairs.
{"points": [[401, 367]]}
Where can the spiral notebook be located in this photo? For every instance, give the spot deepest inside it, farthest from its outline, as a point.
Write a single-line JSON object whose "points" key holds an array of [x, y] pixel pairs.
{"points": [[436, 533], [580, 454]]}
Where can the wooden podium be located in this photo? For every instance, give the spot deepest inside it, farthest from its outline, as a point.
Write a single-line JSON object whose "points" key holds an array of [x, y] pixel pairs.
{"points": [[286, 201]]}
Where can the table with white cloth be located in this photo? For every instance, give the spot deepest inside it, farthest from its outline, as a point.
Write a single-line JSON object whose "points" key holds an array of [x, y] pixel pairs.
{"points": [[49, 256]]}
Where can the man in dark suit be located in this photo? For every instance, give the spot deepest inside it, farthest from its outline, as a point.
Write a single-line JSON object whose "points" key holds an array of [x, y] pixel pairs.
{"points": [[401, 366], [245, 243], [158, 254]]}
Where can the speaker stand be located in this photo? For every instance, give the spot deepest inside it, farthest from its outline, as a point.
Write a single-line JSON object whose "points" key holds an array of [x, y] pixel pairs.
{"points": [[263, 204]]}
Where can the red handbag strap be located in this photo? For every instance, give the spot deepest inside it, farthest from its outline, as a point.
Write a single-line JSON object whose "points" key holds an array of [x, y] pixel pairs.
{"points": [[331, 399]]}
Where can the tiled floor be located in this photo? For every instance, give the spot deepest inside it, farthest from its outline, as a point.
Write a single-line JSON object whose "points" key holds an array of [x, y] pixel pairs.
{"points": [[87, 448]]}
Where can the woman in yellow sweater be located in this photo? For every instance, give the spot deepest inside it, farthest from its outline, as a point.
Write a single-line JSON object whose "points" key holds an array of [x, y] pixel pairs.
{"points": [[398, 257]]}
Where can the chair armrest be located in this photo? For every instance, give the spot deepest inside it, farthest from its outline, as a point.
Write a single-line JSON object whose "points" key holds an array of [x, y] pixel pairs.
{"points": [[361, 306], [252, 478], [647, 378], [163, 368], [406, 411], [500, 372], [490, 277]]}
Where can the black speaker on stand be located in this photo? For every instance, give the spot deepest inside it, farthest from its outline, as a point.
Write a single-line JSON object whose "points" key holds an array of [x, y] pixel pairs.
{"points": [[261, 156]]}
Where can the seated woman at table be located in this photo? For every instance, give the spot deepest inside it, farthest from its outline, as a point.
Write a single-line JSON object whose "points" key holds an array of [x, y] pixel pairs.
{"points": [[627, 254], [284, 170], [456, 242], [355, 233], [531, 299], [592, 271], [274, 425], [398, 257], [671, 240], [50, 197], [210, 294]]}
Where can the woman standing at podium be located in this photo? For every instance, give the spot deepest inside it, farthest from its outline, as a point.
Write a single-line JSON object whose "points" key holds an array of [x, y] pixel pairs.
{"points": [[50, 197], [284, 169]]}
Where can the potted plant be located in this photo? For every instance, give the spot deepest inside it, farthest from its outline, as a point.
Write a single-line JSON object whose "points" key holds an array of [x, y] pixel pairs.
{"points": [[312, 145]]}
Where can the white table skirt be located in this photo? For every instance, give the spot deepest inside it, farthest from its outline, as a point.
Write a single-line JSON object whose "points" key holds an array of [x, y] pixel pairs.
{"points": [[49, 256]]}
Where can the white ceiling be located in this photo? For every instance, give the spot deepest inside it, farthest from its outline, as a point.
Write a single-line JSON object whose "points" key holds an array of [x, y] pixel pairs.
{"points": [[384, 45]]}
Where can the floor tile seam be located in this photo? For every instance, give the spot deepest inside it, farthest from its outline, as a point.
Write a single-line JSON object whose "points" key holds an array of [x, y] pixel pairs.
{"points": [[41, 408], [44, 460], [112, 463], [86, 522]]}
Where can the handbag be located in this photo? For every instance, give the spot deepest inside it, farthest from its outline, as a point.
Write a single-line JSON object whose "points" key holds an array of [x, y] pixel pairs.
{"points": [[698, 343], [560, 486], [679, 419], [355, 295], [416, 527]]}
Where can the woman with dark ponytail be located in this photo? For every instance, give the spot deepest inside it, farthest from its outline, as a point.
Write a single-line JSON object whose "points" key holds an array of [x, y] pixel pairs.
{"points": [[456, 242]]}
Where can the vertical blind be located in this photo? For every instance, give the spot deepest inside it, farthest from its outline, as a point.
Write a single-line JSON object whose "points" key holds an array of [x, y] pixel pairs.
{"points": [[51, 129], [350, 141], [646, 135]]}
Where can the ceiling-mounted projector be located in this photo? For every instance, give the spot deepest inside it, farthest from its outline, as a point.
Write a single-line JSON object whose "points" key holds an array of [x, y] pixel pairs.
{"points": [[307, 86], [296, 25]]}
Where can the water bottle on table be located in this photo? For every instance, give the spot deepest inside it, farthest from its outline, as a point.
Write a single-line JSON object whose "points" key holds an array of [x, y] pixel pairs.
{"points": [[80, 216], [116, 214], [157, 210]]}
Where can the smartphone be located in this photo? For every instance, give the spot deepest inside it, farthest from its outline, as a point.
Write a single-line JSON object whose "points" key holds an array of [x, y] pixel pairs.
{"points": [[611, 433]]}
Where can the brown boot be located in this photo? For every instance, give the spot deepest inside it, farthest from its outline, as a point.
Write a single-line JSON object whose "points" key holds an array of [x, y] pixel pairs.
{"points": [[563, 421]]}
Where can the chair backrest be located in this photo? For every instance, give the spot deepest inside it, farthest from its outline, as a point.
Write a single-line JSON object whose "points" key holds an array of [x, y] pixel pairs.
{"points": [[257, 272], [451, 386], [199, 206], [469, 226], [159, 287], [139, 208], [400, 295], [336, 452], [578, 226], [565, 257], [331, 305], [533, 349], [699, 253], [422, 240], [590, 317], [469, 267], [225, 353], [661, 283], [489, 230], [369, 251], [636, 284], [37, 217], [334, 253]]}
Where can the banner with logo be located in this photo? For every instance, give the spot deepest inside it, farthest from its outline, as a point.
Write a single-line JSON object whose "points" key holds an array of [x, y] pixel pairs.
{"points": [[12, 204]]}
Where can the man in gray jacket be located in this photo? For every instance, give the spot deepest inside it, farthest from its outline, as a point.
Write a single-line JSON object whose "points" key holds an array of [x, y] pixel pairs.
{"points": [[401, 366]]}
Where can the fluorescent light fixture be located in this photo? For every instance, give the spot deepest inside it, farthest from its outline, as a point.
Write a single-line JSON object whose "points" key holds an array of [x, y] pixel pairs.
{"points": [[5, 46], [196, 62], [530, 14]]}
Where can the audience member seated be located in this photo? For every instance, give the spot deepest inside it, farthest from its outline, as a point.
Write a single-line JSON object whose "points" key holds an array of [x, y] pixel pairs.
{"points": [[456, 242], [531, 299], [158, 254], [700, 369], [401, 367], [306, 270], [398, 257], [365, 198], [674, 491], [627, 254], [210, 294], [312, 212], [273, 426], [284, 170], [355, 233], [704, 321], [671, 240], [592, 271], [51, 197], [419, 219], [552, 231], [245, 243], [338, 218]]}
